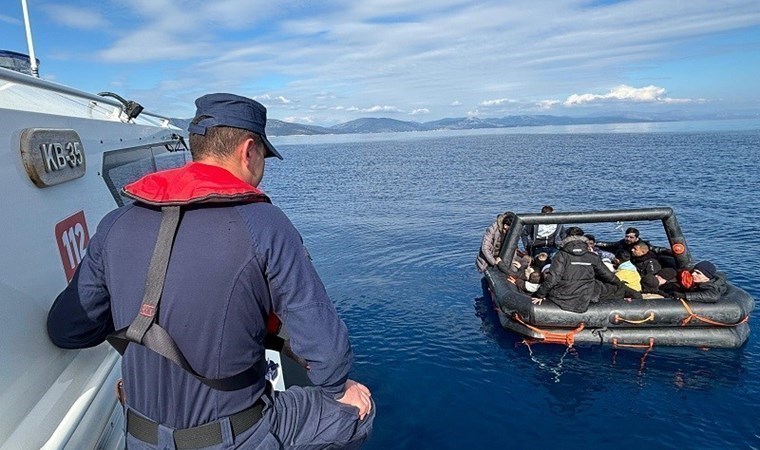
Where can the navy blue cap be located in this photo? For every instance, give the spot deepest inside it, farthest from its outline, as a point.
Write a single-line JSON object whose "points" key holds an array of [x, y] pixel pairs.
{"points": [[230, 110]]}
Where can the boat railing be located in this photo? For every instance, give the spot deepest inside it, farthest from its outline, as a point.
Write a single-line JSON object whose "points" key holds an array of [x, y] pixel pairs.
{"points": [[29, 80]]}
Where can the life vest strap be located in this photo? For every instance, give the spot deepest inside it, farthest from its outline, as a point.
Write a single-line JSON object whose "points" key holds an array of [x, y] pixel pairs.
{"points": [[146, 332]]}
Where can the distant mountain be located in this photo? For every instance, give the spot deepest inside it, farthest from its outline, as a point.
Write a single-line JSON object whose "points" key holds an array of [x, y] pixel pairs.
{"points": [[460, 123], [279, 128], [381, 125], [274, 128], [385, 125]]}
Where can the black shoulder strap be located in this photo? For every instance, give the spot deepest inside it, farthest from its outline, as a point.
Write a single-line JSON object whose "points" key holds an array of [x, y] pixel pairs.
{"points": [[145, 331]]}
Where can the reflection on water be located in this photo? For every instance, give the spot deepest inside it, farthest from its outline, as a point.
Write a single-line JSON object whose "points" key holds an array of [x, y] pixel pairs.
{"points": [[394, 223]]}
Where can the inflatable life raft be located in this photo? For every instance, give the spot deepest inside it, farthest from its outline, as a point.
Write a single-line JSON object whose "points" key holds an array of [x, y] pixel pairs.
{"points": [[621, 322]]}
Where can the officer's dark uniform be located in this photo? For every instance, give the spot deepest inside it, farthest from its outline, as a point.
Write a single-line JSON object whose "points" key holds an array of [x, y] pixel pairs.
{"points": [[235, 259]]}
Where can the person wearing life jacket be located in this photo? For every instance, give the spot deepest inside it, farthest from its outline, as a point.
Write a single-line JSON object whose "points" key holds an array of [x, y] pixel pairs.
{"points": [[705, 285], [230, 259]]}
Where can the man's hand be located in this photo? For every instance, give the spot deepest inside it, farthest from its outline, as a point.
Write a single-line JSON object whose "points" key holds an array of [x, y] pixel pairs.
{"points": [[537, 300], [357, 394], [498, 260]]}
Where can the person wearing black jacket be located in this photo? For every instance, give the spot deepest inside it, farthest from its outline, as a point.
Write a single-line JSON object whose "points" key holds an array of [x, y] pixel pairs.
{"points": [[630, 239], [709, 284], [578, 277], [644, 259], [663, 283]]}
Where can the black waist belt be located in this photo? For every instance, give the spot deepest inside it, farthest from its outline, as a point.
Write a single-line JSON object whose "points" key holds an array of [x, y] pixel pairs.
{"points": [[201, 436]]}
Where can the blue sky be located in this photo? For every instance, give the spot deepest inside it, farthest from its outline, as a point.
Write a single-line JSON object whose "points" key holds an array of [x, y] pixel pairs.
{"points": [[336, 60]]}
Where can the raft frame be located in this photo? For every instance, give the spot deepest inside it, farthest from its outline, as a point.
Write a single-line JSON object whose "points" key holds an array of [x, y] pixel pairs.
{"points": [[620, 322]]}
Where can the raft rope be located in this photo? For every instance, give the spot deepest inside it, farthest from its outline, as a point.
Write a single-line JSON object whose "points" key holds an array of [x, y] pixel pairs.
{"points": [[643, 360], [686, 321], [617, 344], [551, 337], [649, 318]]}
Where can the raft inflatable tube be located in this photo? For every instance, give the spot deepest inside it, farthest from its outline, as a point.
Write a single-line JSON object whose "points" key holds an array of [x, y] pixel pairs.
{"points": [[621, 322], [702, 337]]}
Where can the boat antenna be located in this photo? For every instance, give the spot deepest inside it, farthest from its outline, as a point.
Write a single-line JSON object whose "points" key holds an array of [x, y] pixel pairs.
{"points": [[29, 42]]}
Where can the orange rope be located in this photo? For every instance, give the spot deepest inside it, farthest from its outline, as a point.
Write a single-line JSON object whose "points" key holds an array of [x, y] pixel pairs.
{"points": [[705, 319], [646, 346], [618, 319], [552, 337]]}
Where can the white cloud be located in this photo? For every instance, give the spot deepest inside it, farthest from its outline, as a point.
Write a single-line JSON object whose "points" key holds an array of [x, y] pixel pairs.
{"points": [[271, 99], [647, 94], [548, 104], [151, 45], [420, 111], [76, 17], [374, 109], [11, 20], [497, 102], [684, 100], [294, 119], [338, 53]]}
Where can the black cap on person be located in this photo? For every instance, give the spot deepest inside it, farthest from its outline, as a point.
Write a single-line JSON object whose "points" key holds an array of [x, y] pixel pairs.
{"points": [[707, 268], [230, 110]]}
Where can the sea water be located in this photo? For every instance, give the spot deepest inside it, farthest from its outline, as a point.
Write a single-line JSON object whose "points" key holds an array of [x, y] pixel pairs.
{"points": [[394, 222]]}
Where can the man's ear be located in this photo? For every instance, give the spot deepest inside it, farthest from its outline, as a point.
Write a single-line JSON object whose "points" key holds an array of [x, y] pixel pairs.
{"points": [[246, 148]]}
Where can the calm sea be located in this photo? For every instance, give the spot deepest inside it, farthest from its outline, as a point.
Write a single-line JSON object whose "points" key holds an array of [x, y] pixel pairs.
{"points": [[394, 221]]}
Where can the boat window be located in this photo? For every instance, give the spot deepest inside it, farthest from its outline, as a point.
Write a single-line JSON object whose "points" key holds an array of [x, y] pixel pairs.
{"points": [[18, 62], [121, 167]]}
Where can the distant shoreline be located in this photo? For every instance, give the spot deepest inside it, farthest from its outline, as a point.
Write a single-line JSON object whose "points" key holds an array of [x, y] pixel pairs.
{"points": [[385, 125], [683, 126]]}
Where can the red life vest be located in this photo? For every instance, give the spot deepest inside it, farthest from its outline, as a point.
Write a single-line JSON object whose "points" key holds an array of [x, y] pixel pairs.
{"points": [[686, 279], [193, 183]]}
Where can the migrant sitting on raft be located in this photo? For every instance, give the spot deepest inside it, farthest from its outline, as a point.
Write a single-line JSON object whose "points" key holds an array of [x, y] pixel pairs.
{"points": [[698, 309]]}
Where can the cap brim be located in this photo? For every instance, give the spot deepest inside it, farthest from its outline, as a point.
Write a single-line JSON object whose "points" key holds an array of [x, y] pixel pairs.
{"points": [[271, 151]]}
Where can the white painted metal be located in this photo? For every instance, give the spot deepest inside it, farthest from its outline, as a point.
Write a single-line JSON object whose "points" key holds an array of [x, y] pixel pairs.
{"points": [[53, 398]]}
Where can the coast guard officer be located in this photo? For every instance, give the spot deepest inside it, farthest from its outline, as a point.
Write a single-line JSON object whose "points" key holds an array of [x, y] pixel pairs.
{"points": [[191, 271]]}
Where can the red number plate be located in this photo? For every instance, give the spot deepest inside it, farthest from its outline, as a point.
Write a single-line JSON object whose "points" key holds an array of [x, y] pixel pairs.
{"points": [[72, 237]]}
